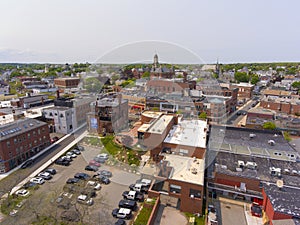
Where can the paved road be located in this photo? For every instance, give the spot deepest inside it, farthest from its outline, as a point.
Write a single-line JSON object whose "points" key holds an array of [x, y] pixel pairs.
{"points": [[15, 178]]}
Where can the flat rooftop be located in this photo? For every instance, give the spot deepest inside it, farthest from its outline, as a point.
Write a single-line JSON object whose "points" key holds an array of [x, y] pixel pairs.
{"points": [[158, 126], [261, 111], [144, 127], [18, 127], [188, 133], [227, 163], [152, 114], [186, 169]]}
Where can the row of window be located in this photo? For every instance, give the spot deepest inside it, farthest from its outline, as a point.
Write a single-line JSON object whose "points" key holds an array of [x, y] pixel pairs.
{"points": [[22, 138], [177, 189]]}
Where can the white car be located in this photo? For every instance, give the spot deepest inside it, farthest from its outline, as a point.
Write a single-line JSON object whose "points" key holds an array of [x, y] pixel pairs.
{"points": [[71, 154], [94, 184], [103, 156], [45, 175], [83, 199], [22, 192], [37, 180]]}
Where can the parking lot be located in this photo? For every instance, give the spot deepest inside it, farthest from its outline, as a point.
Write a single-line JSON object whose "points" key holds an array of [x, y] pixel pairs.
{"points": [[43, 201]]}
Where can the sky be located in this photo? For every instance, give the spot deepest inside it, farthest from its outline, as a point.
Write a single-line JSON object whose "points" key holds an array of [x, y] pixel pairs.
{"points": [[118, 31]]}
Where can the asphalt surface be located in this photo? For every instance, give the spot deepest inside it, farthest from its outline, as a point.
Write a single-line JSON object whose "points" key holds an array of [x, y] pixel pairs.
{"points": [[43, 200], [16, 177]]}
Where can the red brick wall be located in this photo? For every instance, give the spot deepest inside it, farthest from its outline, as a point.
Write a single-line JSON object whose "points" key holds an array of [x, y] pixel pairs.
{"points": [[193, 151], [272, 215], [153, 215], [188, 204], [225, 179]]}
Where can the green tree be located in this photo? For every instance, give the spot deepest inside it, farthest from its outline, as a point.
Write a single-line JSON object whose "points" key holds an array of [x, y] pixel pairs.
{"points": [[269, 126], [92, 84], [146, 74], [254, 79], [202, 116], [296, 85], [241, 77]]}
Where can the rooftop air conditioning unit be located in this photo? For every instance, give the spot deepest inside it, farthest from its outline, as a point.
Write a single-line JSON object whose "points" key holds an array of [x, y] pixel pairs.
{"points": [[252, 135]]}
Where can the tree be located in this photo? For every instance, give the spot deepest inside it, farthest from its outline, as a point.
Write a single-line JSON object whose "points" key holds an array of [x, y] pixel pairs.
{"points": [[269, 126], [241, 77], [92, 84], [203, 116], [146, 74], [254, 79], [296, 85]]}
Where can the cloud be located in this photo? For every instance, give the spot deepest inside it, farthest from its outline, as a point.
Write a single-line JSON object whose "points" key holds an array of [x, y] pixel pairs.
{"points": [[27, 56]]}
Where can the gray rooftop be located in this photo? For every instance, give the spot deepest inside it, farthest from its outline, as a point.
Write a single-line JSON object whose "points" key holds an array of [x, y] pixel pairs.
{"points": [[285, 200], [18, 127]]}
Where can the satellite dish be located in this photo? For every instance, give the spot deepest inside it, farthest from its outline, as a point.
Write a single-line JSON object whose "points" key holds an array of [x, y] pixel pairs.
{"points": [[279, 183]]}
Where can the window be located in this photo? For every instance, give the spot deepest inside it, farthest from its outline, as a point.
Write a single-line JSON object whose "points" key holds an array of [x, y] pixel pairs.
{"points": [[28, 135], [34, 133], [175, 188], [39, 131], [8, 144], [195, 193], [71, 127], [15, 140]]}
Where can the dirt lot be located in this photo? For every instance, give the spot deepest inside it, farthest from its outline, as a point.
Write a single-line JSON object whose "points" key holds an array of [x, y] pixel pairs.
{"points": [[44, 200]]}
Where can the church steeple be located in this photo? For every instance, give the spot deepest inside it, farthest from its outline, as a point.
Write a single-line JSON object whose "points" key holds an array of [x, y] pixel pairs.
{"points": [[155, 61]]}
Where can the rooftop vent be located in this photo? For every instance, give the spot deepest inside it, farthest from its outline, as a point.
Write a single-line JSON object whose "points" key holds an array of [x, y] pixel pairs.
{"points": [[271, 142], [251, 165], [279, 184], [241, 164]]}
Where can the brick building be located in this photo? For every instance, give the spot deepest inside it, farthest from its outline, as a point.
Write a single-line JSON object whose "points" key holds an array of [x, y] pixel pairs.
{"points": [[109, 114], [245, 90], [20, 140], [281, 203], [243, 160], [69, 82], [178, 146]]}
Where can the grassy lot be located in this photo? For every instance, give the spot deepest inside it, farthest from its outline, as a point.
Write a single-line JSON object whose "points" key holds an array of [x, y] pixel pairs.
{"points": [[143, 216]]}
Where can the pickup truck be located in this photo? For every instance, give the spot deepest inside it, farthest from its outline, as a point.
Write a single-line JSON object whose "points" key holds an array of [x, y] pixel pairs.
{"points": [[139, 187], [133, 195]]}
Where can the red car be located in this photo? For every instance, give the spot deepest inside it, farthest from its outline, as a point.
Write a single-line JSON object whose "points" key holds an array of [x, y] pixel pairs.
{"points": [[94, 163], [256, 210], [54, 139]]}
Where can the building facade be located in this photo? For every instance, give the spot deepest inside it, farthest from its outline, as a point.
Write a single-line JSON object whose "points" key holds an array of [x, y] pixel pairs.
{"points": [[20, 140]]}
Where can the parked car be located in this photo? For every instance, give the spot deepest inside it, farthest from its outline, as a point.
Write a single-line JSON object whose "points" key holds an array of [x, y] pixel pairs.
{"points": [[133, 195], [82, 176], [99, 160], [76, 151], [129, 204], [27, 163], [144, 182], [37, 180], [45, 175], [29, 185], [105, 173], [139, 187], [80, 148], [122, 213], [71, 154], [22, 192], [62, 162], [54, 139], [103, 156], [120, 222], [83, 199], [94, 163], [91, 168], [13, 212], [72, 180], [94, 184], [239, 113], [67, 158], [256, 210], [52, 171], [102, 179]]}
